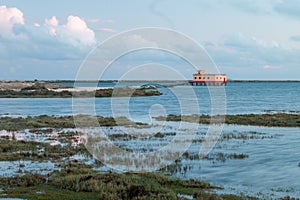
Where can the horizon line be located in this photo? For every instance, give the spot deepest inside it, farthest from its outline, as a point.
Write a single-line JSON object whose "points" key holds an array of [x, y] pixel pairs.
{"points": [[162, 80]]}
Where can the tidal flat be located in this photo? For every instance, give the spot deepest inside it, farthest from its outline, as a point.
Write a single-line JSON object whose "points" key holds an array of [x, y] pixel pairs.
{"points": [[49, 157], [74, 174]]}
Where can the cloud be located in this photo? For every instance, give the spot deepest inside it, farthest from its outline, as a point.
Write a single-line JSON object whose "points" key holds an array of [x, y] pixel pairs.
{"points": [[289, 8], [77, 32], [93, 20], [108, 30], [110, 20], [100, 20], [295, 38], [256, 7], [239, 50], [9, 17], [51, 22], [38, 44], [49, 41], [271, 67]]}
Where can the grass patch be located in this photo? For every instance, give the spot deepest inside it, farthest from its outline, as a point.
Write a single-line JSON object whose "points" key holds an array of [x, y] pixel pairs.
{"points": [[277, 119], [45, 121], [36, 151], [83, 183]]}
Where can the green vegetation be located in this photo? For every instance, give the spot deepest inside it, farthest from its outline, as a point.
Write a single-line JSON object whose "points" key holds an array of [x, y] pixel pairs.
{"points": [[45, 121], [80, 182], [277, 119], [11, 150], [39, 90], [76, 180], [215, 156], [45, 93]]}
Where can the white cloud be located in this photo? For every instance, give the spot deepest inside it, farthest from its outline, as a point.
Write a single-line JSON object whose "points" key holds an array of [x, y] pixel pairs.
{"points": [[51, 22], [78, 32], [256, 7], [137, 41], [49, 41], [239, 50], [271, 67], [8, 18], [74, 32], [36, 25], [289, 8], [241, 41], [108, 30], [295, 38]]}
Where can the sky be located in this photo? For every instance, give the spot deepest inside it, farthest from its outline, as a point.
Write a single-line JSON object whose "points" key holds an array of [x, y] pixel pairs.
{"points": [[247, 40]]}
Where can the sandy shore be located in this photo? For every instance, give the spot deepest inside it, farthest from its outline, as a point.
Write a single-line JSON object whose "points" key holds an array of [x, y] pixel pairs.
{"points": [[80, 89], [18, 85]]}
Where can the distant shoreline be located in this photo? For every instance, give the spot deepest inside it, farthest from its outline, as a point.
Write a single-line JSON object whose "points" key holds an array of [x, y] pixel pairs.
{"points": [[132, 81], [111, 81], [263, 81]]}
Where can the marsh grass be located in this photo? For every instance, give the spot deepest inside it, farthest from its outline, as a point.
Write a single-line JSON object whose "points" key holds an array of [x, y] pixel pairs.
{"points": [[277, 119], [81, 182], [37, 151], [77, 180], [245, 136], [50, 122], [219, 156]]}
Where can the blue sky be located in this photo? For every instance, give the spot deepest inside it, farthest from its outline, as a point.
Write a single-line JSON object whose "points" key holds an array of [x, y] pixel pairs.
{"points": [[249, 39]]}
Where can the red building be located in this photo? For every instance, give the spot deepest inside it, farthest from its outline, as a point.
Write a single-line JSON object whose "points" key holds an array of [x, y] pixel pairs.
{"points": [[201, 78]]}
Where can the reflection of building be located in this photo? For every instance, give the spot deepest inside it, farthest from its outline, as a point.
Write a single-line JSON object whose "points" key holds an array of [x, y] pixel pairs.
{"points": [[208, 79]]}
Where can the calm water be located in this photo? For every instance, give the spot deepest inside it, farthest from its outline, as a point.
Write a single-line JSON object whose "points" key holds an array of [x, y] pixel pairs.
{"points": [[270, 171], [240, 98]]}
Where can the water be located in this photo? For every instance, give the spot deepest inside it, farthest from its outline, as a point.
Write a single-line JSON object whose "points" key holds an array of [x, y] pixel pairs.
{"points": [[271, 170], [8, 168], [241, 98]]}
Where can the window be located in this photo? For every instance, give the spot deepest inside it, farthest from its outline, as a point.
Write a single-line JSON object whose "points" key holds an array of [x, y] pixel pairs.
{"points": [[195, 77], [203, 77], [207, 77], [216, 77], [199, 77]]}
